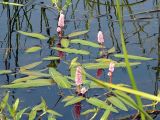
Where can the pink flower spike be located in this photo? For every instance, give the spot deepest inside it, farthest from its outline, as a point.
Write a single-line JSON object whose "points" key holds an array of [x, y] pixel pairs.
{"points": [[84, 90], [59, 29], [111, 66], [61, 20], [100, 37], [78, 76]]}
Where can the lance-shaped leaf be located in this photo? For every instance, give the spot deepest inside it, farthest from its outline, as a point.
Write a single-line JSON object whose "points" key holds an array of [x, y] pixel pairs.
{"points": [[20, 113], [54, 112], [51, 58], [106, 113], [34, 73], [11, 3], [59, 78], [34, 35], [134, 57], [5, 71], [68, 98], [117, 103], [89, 111], [30, 66], [73, 34], [24, 79], [30, 83], [85, 42], [74, 100], [4, 102], [99, 103], [72, 50], [33, 49], [65, 42]]}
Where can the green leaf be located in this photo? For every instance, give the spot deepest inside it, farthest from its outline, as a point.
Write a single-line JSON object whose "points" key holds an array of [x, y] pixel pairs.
{"points": [[74, 62], [67, 98], [5, 71], [104, 65], [15, 105], [33, 49], [132, 57], [34, 73], [67, 4], [85, 42], [34, 35], [54, 113], [20, 113], [125, 98], [51, 117], [74, 100], [72, 50], [117, 103], [59, 78], [111, 50], [65, 42], [10, 3], [125, 89], [99, 103], [24, 79], [4, 102], [89, 111], [32, 114], [54, 1], [73, 34], [51, 58], [10, 110], [30, 66], [106, 113], [30, 83]]}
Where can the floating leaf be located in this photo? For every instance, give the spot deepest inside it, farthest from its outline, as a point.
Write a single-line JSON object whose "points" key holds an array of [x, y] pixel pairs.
{"points": [[11, 3], [64, 42], [59, 78], [34, 73], [30, 83], [74, 100], [104, 65], [34, 35], [85, 42], [24, 79], [132, 57], [104, 60], [99, 103], [67, 98], [51, 58], [30, 66], [106, 113], [74, 62], [89, 111], [111, 50], [5, 71], [71, 50], [33, 49], [116, 102], [77, 33]]}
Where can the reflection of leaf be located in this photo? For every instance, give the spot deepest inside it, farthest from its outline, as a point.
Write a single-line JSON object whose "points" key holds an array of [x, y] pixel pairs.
{"points": [[64, 42], [71, 50], [85, 42], [73, 34], [99, 103], [74, 100], [34, 35], [59, 78], [33, 49], [132, 57], [30, 83], [11, 3], [5, 71], [51, 58]]}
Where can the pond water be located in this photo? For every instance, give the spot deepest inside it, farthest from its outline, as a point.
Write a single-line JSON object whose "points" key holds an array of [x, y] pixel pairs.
{"points": [[142, 36]]}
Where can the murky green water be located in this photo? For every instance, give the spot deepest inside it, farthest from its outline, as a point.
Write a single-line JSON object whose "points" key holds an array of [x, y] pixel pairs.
{"points": [[142, 36]]}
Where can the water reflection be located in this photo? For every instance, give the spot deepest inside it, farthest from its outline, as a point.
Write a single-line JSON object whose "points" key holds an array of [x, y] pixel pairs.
{"points": [[140, 26]]}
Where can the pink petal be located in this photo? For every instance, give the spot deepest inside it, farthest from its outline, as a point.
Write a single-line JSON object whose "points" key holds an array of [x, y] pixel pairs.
{"points": [[59, 29], [111, 66], [61, 20], [100, 37], [78, 76]]}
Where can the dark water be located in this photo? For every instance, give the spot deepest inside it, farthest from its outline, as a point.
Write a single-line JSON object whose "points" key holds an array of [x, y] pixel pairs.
{"points": [[142, 36]]}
